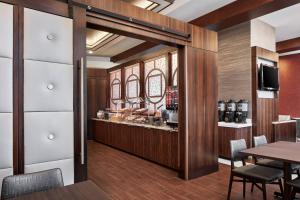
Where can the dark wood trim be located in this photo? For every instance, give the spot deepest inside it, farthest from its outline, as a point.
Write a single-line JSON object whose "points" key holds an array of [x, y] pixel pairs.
{"points": [[79, 45], [96, 21], [123, 85], [288, 45], [170, 68], [133, 51], [182, 114], [133, 20], [142, 59], [239, 12], [142, 83], [18, 100], [49, 6]]}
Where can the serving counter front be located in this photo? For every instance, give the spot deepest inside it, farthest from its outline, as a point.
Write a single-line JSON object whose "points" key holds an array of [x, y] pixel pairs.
{"points": [[159, 144]]}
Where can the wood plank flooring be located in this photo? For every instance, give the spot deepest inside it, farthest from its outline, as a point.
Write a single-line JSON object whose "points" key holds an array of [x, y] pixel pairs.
{"points": [[126, 177]]}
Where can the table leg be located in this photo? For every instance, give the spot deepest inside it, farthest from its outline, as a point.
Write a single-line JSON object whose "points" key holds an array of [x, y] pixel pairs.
{"points": [[287, 178]]}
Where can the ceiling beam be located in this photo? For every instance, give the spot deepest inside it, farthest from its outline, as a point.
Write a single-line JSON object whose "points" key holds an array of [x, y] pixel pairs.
{"points": [[240, 11], [288, 45], [133, 51]]}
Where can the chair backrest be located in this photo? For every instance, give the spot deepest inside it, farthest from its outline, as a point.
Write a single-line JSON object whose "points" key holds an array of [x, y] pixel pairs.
{"points": [[236, 146], [14, 186], [260, 140]]}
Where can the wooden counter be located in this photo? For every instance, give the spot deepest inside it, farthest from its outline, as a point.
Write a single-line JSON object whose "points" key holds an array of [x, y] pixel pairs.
{"points": [[159, 145], [232, 131], [285, 131]]}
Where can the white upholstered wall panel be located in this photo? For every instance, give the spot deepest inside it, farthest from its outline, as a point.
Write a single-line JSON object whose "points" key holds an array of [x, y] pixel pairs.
{"points": [[6, 140], [67, 167], [48, 86], [6, 84], [6, 30], [4, 173], [47, 37], [48, 136]]}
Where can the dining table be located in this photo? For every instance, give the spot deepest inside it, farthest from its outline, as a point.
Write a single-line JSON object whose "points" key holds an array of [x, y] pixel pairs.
{"points": [[86, 190], [286, 152]]}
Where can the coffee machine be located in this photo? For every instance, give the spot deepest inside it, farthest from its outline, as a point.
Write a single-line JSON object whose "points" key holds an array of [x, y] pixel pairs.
{"points": [[242, 111], [221, 110], [230, 111]]}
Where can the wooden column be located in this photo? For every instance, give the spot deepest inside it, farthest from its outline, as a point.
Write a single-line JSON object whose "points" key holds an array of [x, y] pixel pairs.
{"points": [[79, 26], [123, 85], [142, 83], [170, 65]]}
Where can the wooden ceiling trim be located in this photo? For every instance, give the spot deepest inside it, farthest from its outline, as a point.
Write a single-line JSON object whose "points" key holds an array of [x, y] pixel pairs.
{"points": [[133, 51], [241, 11], [288, 45], [128, 10]]}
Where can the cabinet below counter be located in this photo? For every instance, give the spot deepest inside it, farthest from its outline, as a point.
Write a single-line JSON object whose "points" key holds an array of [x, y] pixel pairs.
{"points": [[155, 144], [285, 131], [232, 132]]}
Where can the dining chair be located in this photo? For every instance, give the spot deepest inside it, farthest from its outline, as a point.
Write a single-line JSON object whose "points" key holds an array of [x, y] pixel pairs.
{"points": [[251, 173], [18, 185], [262, 140], [295, 184]]}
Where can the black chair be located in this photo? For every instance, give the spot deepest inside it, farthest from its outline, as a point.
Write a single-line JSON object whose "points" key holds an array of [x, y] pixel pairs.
{"points": [[251, 173], [262, 140], [295, 184], [14, 186]]}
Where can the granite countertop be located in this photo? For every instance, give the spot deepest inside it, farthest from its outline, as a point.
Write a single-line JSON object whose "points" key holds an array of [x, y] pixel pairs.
{"points": [[163, 127], [234, 125]]}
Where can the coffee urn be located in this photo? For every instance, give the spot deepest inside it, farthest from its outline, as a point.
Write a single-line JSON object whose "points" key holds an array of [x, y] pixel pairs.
{"points": [[221, 110], [242, 111], [230, 111]]}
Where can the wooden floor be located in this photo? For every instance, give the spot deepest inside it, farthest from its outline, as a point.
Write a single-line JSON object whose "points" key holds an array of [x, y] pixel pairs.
{"points": [[124, 176]]}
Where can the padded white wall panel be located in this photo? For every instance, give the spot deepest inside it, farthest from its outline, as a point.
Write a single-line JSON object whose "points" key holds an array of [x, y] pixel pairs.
{"points": [[4, 173], [47, 37], [66, 166], [6, 84], [48, 136], [6, 140], [6, 30], [47, 86]]}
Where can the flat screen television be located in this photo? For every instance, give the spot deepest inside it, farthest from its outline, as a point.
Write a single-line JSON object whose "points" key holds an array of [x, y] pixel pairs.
{"points": [[268, 78]]}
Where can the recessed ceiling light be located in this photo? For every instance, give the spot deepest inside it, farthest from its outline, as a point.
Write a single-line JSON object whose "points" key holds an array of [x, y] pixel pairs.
{"points": [[90, 52]]}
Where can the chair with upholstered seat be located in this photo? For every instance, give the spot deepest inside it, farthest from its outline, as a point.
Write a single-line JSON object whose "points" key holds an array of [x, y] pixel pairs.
{"points": [[251, 173], [295, 184], [14, 186]]}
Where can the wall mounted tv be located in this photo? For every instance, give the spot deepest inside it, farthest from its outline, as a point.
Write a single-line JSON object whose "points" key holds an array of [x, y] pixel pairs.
{"points": [[268, 78]]}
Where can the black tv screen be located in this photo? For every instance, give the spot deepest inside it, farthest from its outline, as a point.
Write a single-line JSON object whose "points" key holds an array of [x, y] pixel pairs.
{"points": [[269, 78]]}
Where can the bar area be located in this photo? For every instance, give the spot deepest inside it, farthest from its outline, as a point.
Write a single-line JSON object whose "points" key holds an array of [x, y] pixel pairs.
{"points": [[141, 113]]}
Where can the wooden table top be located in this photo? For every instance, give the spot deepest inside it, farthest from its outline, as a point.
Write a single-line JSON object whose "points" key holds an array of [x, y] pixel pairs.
{"points": [[80, 191], [283, 151]]}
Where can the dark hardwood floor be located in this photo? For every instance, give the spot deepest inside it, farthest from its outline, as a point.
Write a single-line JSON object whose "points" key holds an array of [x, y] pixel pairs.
{"points": [[124, 176]]}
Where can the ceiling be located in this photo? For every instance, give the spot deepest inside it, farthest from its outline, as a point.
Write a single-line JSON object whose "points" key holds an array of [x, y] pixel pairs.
{"points": [[286, 22], [193, 8]]}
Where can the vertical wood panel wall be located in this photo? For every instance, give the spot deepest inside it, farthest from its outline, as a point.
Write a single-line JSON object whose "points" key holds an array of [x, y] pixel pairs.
{"points": [[96, 94], [234, 63], [200, 113], [265, 111]]}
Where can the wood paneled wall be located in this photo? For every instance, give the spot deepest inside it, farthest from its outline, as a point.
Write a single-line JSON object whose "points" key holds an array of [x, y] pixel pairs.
{"points": [[265, 110], [96, 94], [234, 63], [200, 142]]}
